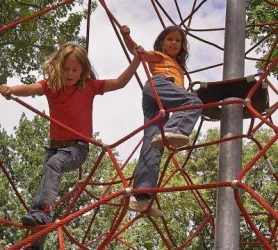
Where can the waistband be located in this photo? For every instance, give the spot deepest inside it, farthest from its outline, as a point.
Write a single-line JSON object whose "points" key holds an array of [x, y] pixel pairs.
{"points": [[64, 143], [169, 78]]}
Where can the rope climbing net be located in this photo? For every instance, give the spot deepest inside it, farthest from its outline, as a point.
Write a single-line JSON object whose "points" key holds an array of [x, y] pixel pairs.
{"points": [[114, 194]]}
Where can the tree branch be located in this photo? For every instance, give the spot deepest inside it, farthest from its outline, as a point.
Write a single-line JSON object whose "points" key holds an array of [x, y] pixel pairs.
{"points": [[29, 4]]}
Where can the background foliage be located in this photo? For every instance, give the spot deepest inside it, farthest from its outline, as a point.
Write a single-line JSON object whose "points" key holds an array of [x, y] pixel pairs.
{"points": [[22, 155], [24, 48], [259, 11]]}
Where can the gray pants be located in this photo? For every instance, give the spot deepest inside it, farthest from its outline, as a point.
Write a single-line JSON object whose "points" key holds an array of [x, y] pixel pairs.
{"points": [[56, 162], [181, 122]]}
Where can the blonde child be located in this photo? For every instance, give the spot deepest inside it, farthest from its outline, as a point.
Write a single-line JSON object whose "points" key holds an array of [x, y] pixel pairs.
{"points": [[167, 64], [70, 86]]}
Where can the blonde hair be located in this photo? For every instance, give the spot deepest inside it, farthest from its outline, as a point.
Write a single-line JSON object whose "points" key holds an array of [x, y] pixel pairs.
{"points": [[52, 68]]}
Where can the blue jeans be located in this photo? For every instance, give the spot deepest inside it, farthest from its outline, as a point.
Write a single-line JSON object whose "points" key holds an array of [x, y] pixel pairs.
{"points": [[181, 122], [56, 162]]}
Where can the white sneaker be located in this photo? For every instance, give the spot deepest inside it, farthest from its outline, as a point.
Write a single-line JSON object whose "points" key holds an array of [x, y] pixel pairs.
{"points": [[141, 206], [174, 140]]}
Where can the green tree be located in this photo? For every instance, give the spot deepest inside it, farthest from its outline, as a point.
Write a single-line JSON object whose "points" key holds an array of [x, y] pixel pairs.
{"points": [[22, 155], [259, 11], [24, 47], [182, 212], [6, 161]]}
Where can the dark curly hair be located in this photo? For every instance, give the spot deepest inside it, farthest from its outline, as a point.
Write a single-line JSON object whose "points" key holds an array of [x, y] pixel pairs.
{"points": [[183, 55]]}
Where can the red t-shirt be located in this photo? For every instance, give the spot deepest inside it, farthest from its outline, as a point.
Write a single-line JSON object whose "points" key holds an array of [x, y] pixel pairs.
{"points": [[72, 107]]}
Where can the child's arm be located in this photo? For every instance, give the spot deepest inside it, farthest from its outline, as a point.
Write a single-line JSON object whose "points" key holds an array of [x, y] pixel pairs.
{"points": [[149, 56], [21, 90], [130, 44], [123, 79]]}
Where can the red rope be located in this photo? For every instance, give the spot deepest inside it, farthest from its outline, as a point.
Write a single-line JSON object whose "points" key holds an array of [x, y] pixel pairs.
{"points": [[37, 14], [166, 176]]}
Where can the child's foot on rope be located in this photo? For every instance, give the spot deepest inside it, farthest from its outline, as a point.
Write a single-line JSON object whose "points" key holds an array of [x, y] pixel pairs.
{"points": [[36, 218], [174, 140], [141, 206]]}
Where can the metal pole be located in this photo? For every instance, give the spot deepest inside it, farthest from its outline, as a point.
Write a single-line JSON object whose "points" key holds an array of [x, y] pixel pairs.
{"points": [[227, 235]]}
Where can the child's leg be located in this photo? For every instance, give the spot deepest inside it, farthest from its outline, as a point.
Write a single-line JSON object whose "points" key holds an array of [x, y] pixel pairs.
{"points": [[65, 160], [56, 162], [171, 96], [147, 170], [183, 122]]}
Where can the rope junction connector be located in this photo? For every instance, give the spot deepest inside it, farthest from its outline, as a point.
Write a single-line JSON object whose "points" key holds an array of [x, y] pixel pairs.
{"points": [[128, 191], [104, 145], [163, 112], [267, 111], [247, 100], [203, 84], [250, 78], [234, 184], [264, 85], [250, 136]]}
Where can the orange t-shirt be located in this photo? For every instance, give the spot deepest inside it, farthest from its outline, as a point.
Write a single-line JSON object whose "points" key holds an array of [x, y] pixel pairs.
{"points": [[72, 107], [169, 68]]}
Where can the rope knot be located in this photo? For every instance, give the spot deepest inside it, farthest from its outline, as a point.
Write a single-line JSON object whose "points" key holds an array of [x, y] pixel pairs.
{"points": [[234, 184]]}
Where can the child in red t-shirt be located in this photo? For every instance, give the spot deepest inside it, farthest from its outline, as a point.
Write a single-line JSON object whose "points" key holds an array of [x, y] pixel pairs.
{"points": [[70, 86]]}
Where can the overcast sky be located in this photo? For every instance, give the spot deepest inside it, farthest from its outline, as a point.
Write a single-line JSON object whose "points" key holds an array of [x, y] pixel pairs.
{"points": [[118, 113]]}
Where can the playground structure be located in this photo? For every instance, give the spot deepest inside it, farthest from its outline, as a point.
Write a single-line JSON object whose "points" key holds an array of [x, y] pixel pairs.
{"points": [[249, 92]]}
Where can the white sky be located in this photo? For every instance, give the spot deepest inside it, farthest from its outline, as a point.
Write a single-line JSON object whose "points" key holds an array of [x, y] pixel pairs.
{"points": [[118, 113]]}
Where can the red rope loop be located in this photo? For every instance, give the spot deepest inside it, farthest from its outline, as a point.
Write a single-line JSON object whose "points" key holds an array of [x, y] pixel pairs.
{"points": [[122, 196]]}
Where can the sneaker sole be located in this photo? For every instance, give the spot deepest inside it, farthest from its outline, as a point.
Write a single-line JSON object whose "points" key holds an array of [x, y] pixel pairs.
{"points": [[154, 212], [178, 142], [137, 208], [157, 144], [172, 141]]}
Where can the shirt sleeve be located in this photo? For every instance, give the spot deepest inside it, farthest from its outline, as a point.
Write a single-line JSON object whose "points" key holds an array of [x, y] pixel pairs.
{"points": [[151, 64], [164, 56], [159, 53], [43, 83], [98, 86]]}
